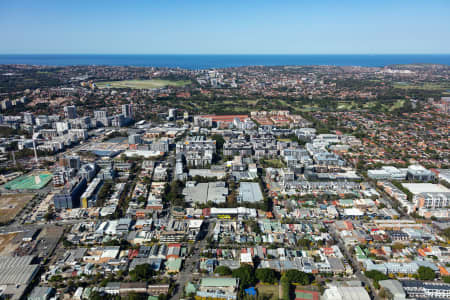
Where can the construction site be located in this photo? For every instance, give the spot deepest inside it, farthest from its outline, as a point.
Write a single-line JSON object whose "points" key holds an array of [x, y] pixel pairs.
{"points": [[32, 181]]}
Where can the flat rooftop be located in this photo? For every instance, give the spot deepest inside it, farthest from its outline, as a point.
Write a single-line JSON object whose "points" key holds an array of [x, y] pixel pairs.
{"points": [[418, 188], [250, 192]]}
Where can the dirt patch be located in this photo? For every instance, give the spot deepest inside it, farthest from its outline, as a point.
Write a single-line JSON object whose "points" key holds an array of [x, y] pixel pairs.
{"points": [[11, 205], [7, 245]]}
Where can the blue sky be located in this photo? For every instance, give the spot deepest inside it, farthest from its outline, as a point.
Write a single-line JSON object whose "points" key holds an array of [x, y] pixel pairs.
{"points": [[225, 27]]}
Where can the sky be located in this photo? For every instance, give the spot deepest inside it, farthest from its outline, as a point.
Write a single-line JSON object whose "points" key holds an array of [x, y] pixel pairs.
{"points": [[225, 27]]}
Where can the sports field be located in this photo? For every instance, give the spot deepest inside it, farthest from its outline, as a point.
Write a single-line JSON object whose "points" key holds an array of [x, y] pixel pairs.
{"points": [[142, 84], [11, 205], [29, 182]]}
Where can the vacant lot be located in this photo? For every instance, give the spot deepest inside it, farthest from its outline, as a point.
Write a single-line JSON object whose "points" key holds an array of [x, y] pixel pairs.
{"points": [[268, 290], [11, 205], [142, 84], [6, 244]]}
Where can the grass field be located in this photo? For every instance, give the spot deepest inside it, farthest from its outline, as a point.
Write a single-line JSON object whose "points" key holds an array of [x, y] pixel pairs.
{"points": [[398, 104], [283, 139], [29, 182], [425, 86], [11, 205], [268, 290], [142, 84], [347, 105], [272, 163]]}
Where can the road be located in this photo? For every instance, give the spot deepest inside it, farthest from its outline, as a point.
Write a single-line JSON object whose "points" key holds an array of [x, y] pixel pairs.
{"points": [[354, 263], [190, 264]]}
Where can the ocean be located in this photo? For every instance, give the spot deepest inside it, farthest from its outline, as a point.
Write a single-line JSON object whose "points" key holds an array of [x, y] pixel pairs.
{"points": [[222, 61]]}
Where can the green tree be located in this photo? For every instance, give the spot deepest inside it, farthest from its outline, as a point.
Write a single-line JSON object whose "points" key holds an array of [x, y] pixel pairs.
{"points": [[97, 296], [446, 233], [286, 286], [136, 296], [49, 215], [219, 141], [295, 276], [426, 273], [266, 275], [305, 243], [223, 271], [376, 275], [142, 273], [246, 276]]}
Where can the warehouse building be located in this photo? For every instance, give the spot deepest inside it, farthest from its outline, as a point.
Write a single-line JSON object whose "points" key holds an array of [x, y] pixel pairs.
{"points": [[16, 273], [215, 192], [250, 192]]}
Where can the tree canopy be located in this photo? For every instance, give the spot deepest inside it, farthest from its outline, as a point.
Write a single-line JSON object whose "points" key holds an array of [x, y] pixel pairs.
{"points": [[426, 273], [223, 270], [142, 273], [295, 276], [266, 275], [376, 275], [246, 275]]}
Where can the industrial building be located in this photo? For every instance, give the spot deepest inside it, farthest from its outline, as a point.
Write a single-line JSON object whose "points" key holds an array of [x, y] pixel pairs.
{"points": [[250, 192], [202, 193], [16, 273]]}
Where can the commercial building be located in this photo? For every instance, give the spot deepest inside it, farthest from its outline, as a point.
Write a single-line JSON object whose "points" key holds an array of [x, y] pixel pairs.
{"points": [[394, 287], [387, 173], [89, 197], [41, 293], [429, 197], [202, 193], [135, 139], [198, 151], [127, 111], [70, 195], [16, 273], [70, 112], [345, 293], [419, 173], [427, 290], [250, 192], [218, 288]]}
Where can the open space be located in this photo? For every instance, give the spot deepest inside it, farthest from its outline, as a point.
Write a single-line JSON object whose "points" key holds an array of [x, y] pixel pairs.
{"points": [[268, 290], [142, 84], [425, 86], [11, 205], [6, 243], [29, 182], [272, 163]]}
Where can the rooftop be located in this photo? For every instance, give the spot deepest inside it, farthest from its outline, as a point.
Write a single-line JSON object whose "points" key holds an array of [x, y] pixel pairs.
{"points": [[418, 188], [218, 282]]}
